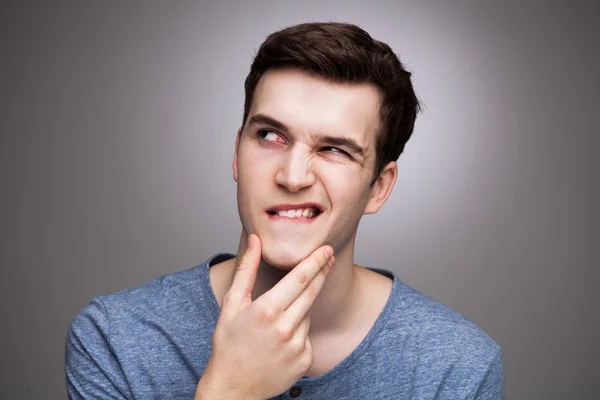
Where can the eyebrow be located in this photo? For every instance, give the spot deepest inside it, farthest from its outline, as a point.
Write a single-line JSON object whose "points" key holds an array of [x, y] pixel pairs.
{"points": [[348, 143]]}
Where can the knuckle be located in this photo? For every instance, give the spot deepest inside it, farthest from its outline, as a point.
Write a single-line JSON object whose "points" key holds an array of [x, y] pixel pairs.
{"points": [[229, 299], [297, 345], [268, 314], [306, 359], [284, 334], [311, 292], [242, 265], [302, 278]]}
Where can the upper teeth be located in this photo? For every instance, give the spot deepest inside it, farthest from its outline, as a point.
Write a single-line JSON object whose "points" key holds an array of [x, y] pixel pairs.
{"points": [[302, 212]]}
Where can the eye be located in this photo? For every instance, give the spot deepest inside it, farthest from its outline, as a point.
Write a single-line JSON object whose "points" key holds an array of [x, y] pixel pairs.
{"points": [[269, 136], [334, 150]]}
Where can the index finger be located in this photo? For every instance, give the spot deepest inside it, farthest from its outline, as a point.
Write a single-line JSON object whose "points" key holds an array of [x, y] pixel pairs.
{"points": [[296, 281]]}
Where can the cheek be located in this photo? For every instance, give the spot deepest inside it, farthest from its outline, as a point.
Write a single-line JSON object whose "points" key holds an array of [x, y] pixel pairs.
{"points": [[348, 192], [255, 178], [342, 181], [255, 163]]}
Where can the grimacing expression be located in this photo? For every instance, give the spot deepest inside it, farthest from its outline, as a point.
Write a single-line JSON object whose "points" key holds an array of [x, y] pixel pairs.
{"points": [[307, 144]]}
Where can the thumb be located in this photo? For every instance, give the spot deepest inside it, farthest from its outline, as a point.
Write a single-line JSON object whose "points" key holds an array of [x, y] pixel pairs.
{"points": [[245, 272]]}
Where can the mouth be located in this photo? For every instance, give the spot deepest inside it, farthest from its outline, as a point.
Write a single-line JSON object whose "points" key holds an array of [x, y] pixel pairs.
{"points": [[295, 212]]}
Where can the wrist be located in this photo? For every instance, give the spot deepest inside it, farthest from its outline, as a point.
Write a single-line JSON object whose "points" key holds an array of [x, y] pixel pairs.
{"points": [[210, 389]]}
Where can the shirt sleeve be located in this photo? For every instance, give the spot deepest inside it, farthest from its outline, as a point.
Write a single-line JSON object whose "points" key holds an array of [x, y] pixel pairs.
{"points": [[92, 369], [491, 386]]}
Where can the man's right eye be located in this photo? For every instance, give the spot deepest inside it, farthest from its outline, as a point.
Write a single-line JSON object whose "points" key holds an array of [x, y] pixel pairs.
{"points": [[269, 136]]}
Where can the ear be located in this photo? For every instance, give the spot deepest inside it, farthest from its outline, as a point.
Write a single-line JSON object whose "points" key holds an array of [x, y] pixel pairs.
{"points": [[235, 151], [382, 188]]}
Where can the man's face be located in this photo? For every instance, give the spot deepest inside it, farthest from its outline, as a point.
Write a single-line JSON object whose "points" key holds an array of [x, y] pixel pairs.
{"points": [[307, 149]]}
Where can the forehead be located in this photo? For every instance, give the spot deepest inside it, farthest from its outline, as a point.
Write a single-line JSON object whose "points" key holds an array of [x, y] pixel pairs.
{"points": [[309, 104]]}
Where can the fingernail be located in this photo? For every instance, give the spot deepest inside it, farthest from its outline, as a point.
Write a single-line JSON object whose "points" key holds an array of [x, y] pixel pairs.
{"points": [[328, 252], [331, 262]]}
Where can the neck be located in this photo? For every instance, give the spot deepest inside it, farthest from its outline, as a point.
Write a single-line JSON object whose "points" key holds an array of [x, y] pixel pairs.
{"points": [[336, 303]]}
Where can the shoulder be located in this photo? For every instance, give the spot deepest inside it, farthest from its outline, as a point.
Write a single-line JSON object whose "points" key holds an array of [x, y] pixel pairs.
{"points": [[128, 333], [161, 297], [435, 325], [438, 341], [163, 293]]}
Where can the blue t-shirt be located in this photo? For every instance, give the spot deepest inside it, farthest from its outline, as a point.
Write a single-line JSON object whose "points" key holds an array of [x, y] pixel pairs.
{"points": [[154, 341]]}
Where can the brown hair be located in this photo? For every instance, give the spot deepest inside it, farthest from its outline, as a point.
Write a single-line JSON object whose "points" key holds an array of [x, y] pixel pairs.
{"points": [[345, 53]]}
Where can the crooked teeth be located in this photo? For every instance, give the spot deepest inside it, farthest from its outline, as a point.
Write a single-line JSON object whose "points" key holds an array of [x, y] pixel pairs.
{"points": [[306, 213]]}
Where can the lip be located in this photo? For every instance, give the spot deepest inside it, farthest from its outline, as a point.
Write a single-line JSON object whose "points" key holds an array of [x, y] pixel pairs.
{"points": [[297, 220], [286, 207], [272, 213]]}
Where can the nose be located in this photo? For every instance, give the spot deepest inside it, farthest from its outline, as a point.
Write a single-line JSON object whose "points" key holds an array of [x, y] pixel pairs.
{"points": [[295, 172]]}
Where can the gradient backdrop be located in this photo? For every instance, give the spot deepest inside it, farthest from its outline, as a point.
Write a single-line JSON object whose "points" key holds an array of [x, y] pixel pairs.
{"points": [[118, 122]]}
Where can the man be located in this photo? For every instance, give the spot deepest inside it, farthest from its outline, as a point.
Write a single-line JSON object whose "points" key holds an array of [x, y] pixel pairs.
{"points": [[327, 113]]}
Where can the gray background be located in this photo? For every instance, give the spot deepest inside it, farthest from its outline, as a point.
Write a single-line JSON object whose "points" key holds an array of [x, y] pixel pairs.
{"points": [[118, 121]]}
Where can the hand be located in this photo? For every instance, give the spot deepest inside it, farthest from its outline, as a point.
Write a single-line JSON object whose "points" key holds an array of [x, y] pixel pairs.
{"points": [[261, 347]]}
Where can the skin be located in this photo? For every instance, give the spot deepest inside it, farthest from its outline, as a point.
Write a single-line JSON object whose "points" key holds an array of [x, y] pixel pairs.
{"points": [[282, 303]]}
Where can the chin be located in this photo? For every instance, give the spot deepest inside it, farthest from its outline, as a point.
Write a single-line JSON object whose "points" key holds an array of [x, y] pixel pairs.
{"points": [[285, 257]]}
